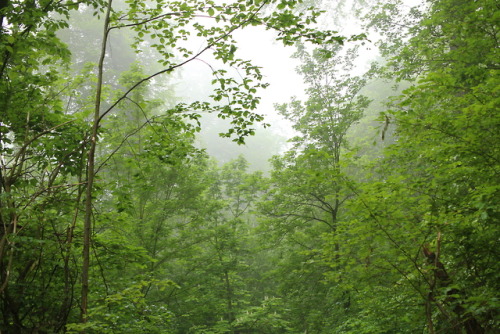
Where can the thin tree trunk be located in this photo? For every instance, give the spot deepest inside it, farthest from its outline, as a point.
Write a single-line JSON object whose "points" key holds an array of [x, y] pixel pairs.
{"points": [[441, 278], [87, 224]]}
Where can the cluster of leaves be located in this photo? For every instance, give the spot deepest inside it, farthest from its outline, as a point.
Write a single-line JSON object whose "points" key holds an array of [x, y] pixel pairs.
{"points": [[407, 241]]}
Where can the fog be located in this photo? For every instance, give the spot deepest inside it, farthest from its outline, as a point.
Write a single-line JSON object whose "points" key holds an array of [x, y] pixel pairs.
{"points": [[192, 81], [278, 69]]}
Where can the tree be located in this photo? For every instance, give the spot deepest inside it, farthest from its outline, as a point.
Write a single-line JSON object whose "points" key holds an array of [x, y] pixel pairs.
{"points": [[438, 239], [41, 169], [309, 193], [214, 277]]}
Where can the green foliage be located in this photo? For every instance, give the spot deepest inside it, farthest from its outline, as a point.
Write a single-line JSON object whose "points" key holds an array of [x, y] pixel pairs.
{"points": [[413, 244], [150, 192], [127, 312], [265, 318], [402, 239], [307, 203]]}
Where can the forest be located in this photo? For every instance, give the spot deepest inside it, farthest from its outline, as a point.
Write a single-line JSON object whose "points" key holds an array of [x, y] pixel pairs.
{"points": [[379, 213]]}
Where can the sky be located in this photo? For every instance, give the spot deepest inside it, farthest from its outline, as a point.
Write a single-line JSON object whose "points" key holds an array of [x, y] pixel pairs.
{"points": [[278, 69], [259, 46]]}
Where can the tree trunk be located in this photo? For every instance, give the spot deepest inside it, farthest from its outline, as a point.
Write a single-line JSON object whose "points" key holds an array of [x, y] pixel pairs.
{"points": [[87, 224], [442, 279]]}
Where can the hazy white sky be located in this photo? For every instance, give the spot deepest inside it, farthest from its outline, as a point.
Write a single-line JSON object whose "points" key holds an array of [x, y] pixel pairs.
{"points": [[259, 46], [278, 69]]}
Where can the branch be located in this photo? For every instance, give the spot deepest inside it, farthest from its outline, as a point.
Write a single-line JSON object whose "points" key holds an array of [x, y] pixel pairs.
{"points": [[173, 67], [29, 142], [34, 196], [146, 20], [121, 144]]}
